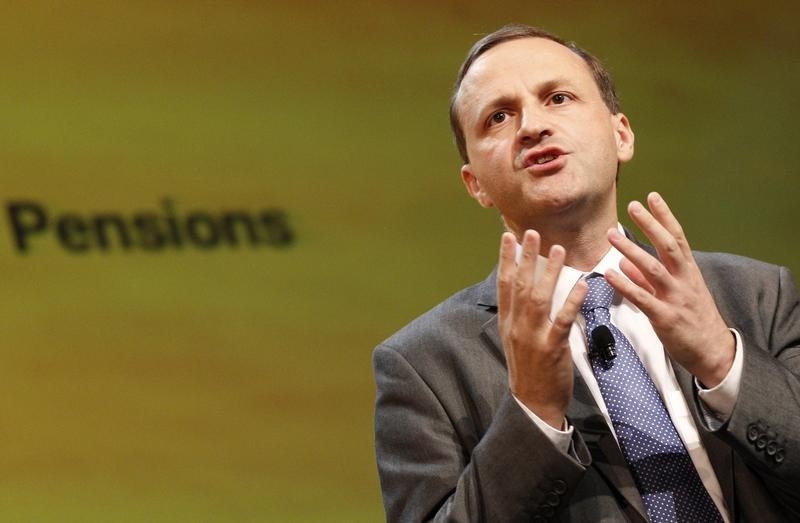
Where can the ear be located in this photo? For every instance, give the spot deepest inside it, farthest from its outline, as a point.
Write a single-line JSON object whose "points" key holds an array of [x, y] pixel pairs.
{"points": [[623, 134], [474, 186]]}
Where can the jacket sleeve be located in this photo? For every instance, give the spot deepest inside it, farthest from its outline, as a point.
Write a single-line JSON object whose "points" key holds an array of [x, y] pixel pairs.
{"points": [[764, 427], [513, 473]]}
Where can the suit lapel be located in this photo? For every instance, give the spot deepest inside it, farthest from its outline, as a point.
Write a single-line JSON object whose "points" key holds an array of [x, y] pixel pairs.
{"points": [[719, 454], [487, 299], [583, 413], [585, 416]]}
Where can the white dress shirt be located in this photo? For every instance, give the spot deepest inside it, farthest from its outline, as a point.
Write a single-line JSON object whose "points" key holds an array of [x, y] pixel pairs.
{"points": [[720, 400]]}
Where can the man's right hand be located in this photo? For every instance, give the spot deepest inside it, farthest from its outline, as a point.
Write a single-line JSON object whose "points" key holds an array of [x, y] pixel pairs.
{"points": [[540, 372]]}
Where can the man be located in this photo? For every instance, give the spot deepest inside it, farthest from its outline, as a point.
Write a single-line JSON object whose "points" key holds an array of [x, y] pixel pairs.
{"points": [[501, 403]]}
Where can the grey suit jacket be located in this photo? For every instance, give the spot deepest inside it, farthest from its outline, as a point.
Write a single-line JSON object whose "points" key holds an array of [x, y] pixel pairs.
{"points": [[453, 445]]}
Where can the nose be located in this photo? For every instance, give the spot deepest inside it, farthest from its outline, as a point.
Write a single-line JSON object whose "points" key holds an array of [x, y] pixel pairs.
{"points": [[533, 127]]}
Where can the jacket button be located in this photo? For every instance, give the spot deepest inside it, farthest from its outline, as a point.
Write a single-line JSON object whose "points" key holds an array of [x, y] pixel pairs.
{"points": [[761, 442], [552, 499], [559, 487], [778, 457], [772, 447], [752, 432], [548, 511]]}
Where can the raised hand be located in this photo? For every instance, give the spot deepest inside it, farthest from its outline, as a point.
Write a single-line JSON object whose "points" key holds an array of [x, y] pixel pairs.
{"points": [[672, 293], [539, 360]]}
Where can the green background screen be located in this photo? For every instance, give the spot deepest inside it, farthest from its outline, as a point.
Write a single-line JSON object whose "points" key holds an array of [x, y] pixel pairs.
{"points": [[233, 382]]}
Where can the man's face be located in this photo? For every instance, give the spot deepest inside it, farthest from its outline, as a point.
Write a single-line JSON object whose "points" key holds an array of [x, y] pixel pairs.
{"points": [[543, 147]]}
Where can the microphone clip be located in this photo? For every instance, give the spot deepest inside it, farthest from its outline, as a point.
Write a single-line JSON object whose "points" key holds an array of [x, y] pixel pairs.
{"points": [[604, 344]]}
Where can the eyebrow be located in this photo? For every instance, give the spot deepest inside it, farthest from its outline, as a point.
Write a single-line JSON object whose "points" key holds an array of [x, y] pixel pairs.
{"points": [[506, 100], [501, 101]]}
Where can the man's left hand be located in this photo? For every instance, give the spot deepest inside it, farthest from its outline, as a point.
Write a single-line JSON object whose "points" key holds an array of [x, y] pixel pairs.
{"points": [[671, 292]]}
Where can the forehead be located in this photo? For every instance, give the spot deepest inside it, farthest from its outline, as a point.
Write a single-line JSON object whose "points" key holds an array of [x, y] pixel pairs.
{"points": [[526, 63]]}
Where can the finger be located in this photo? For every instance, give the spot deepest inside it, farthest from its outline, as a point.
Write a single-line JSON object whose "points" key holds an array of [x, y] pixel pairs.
{"points": [[651, 306], [562, 323], [542, 293], [649, 267], [631, 271], [506, 269], [523, 281], [661, 211], [669, 252]]}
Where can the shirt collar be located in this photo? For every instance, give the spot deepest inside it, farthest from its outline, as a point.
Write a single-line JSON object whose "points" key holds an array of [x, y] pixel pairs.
{"points": [[569, 276]]}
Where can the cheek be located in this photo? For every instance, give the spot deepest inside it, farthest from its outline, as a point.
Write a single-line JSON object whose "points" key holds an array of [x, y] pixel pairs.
{"points": [[604, 145], [492, 161], [499, 160]]}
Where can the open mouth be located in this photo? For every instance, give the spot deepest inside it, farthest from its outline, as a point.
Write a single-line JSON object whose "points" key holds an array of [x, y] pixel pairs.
{"points": [[544, 159]]}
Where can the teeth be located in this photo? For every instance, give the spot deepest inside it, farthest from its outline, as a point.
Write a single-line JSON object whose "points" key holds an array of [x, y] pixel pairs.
{"points": [[545, 159]]}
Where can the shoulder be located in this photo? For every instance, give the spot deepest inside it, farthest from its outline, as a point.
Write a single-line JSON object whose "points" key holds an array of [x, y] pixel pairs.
{"points": [[727, 267], [727, 261], [455, 321], [747, 288], [738, 271]]}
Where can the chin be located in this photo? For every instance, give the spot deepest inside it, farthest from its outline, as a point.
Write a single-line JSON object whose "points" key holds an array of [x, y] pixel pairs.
{"points": [[558, 203]]}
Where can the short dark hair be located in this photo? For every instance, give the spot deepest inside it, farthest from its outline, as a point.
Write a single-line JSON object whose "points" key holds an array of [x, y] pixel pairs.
{"points": [[515, 32]]}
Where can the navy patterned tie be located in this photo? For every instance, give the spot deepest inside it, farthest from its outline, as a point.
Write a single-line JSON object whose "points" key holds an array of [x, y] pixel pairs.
{"points": [[665, 475]]}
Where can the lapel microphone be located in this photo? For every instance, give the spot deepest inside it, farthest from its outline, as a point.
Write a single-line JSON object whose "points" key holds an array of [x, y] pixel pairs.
{"points": [[603, 342]]}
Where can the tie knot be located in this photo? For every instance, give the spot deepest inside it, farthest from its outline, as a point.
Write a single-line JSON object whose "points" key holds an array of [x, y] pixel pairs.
{"points": [[599, 295]]}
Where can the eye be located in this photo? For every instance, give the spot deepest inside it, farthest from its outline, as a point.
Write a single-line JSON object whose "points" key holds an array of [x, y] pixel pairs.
{"points": [[560, 98], [498, 117]]}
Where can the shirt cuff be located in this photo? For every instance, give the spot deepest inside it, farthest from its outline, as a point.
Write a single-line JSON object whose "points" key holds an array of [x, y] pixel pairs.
{"points": [[560, 438], [721, 399]]}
